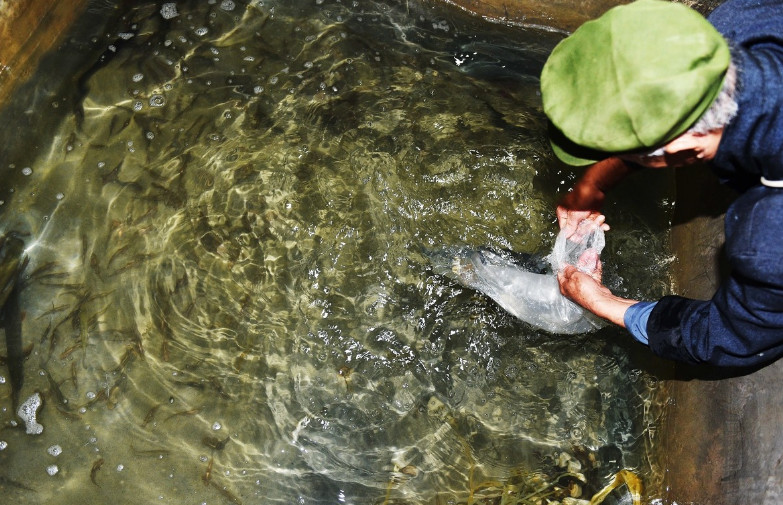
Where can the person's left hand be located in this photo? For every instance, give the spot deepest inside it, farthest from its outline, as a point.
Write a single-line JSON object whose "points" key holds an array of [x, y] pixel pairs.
{"points": [[580, 286], [586, 290]]}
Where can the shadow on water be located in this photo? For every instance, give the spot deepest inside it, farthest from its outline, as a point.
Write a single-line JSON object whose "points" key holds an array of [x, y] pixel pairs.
{"points": [[224, 206]]}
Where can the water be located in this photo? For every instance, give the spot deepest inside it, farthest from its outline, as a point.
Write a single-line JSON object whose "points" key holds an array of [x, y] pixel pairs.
{"points": [[227, 210]]}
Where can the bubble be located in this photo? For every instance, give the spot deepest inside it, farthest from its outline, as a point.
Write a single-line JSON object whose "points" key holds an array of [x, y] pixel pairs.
{"points": [[169, 10], [27, 171], [258, 90], [52, 470], [137, 77], [227, 5], [3, 445], [201, 31], [216, 426], [125, 35], [27, 411], [55, 450], [120, 467], [90, 395], [137, 105], [2, 379], [157, 101], [150, 135]]}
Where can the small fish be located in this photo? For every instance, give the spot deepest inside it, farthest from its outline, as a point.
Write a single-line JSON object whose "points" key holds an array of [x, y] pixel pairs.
{"points": [[215, 443], [190, 412], [208, 474], [54, 390], [150, 415], [8, 483], [226, 493], [150, 452], [94, 471]]}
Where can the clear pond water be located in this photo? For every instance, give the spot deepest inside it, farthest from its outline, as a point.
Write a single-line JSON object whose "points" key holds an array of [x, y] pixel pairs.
{"points": [[228, 208]]}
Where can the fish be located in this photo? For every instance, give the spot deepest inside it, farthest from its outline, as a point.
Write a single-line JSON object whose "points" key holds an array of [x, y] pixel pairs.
{"points": [[214, 443], [226, 493], [150, 415], [13, 264], [94, 470], [208, 473], [6, 483], [56, 392], [11, 260], [525, 286]]}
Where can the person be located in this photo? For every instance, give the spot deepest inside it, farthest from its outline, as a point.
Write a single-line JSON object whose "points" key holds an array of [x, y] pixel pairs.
{"points": [[655, 84]]}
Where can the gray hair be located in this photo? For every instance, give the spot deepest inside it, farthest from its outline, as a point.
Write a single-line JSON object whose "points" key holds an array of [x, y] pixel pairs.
{"points": [[723, 109]]}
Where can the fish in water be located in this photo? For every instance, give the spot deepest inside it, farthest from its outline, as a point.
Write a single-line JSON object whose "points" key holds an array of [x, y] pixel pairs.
{"points": [[12, 264], [524, 285]]}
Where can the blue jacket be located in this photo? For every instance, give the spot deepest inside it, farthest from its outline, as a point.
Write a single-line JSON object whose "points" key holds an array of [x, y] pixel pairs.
{"points": [[742, 325]]}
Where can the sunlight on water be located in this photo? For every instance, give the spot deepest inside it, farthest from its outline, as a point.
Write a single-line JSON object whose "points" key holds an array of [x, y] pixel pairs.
{"points": [[229, 299]]}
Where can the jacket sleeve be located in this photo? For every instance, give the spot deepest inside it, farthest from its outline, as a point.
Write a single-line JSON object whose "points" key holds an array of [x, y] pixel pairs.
{"points": [[723, 331], [742, 325]]}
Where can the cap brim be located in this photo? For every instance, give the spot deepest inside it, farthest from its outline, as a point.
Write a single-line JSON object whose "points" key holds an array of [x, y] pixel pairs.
{"points": [[571, 153]]}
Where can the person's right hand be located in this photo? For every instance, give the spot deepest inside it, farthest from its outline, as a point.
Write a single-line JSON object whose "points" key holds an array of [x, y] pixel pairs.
{"points": [[569, 220]]}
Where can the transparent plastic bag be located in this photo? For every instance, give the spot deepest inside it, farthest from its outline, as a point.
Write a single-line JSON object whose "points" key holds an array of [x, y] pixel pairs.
{"points": [[527, 288]]}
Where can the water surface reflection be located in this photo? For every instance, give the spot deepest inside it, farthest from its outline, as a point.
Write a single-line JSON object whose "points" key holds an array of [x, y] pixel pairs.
{"points": [[228, 298]]}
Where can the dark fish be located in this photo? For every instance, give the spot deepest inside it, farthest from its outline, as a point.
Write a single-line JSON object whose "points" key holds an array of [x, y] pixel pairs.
{"points": [[94, 470], [150, 415], [6, 483], [215, 443], [13, 264], [56, 392]]}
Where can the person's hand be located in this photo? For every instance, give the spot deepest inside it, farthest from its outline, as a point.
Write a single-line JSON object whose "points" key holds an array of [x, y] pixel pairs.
{"points": [[586, 198], [586, 290], [573, 222]]}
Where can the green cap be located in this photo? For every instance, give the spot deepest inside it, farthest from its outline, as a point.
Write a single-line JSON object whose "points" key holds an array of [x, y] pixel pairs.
{"points": [[633, 79]]}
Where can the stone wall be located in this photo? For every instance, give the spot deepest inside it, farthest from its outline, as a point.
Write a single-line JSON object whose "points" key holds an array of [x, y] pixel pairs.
{"points": [[28, 29], [565, 15]]}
